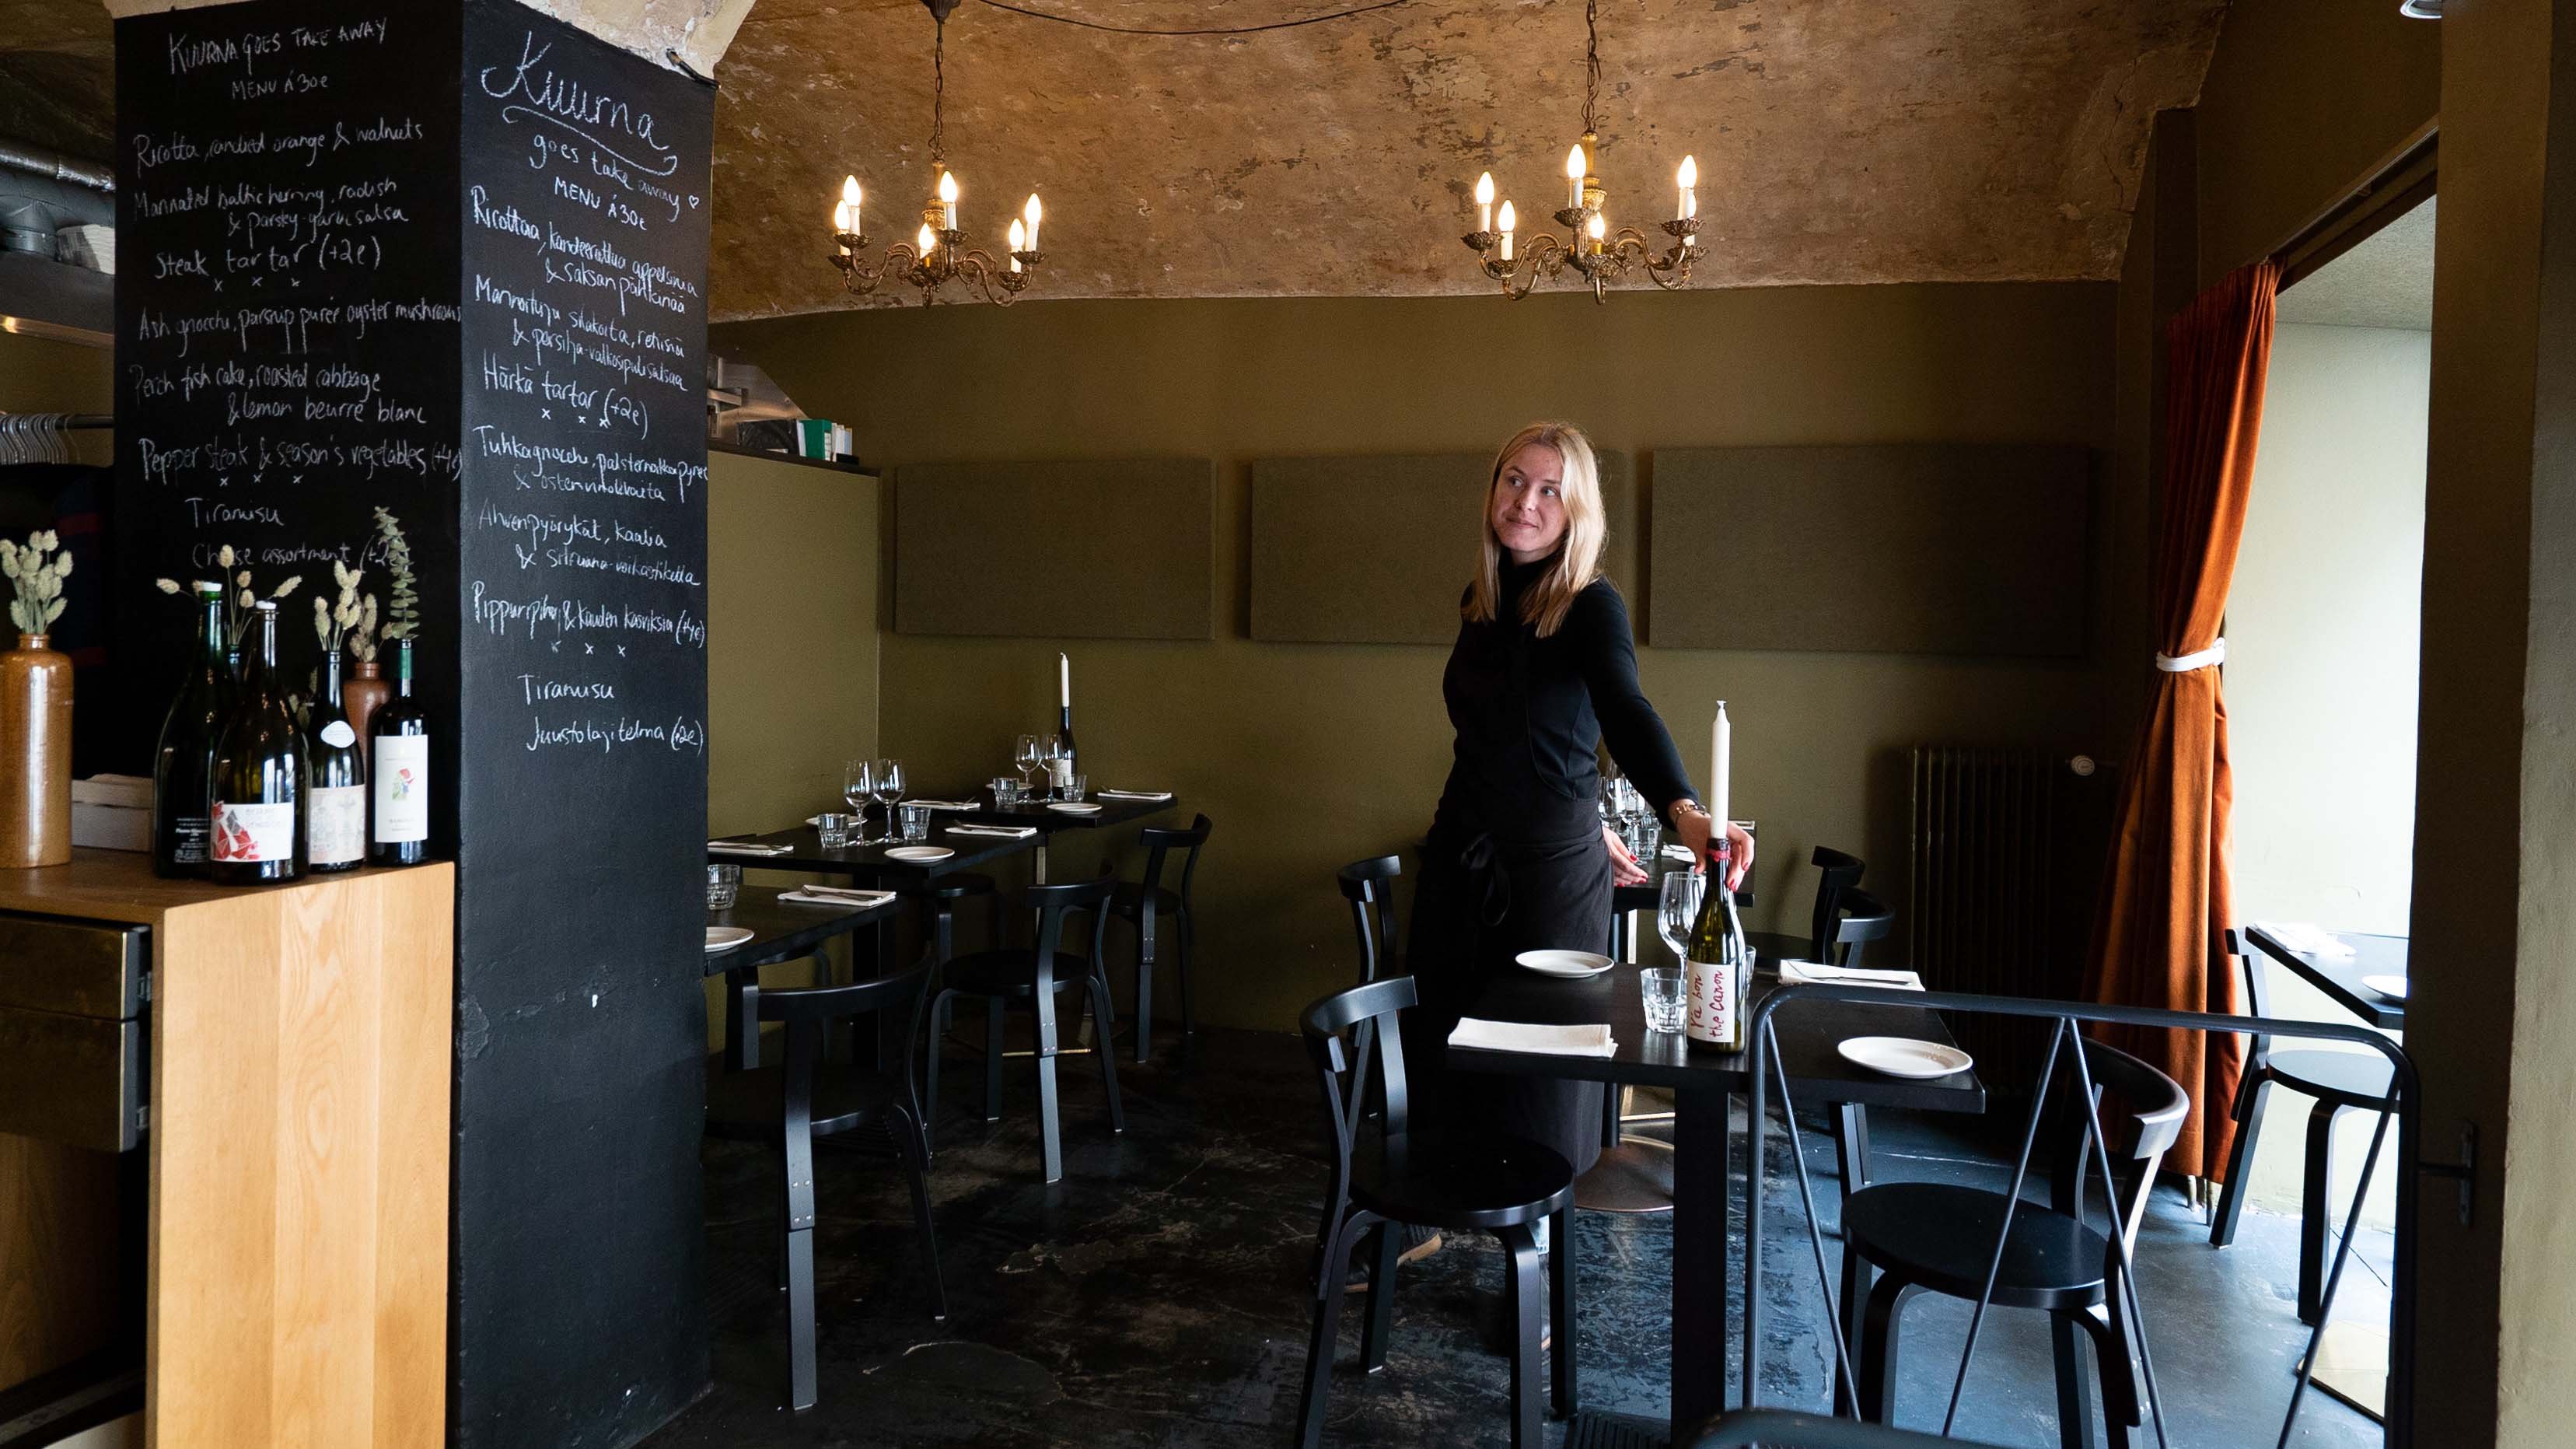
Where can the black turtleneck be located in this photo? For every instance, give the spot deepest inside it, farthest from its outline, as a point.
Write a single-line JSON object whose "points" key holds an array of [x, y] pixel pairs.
{"points": [[1531, 713]]}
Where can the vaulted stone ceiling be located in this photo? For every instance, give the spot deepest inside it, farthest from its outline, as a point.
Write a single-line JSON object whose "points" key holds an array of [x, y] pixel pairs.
{"points": [[1837, 140]]}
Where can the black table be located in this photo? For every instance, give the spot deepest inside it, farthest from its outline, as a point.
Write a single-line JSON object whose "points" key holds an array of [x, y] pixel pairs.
{"points": [[780, 931], [2340, 977], [1701, 1079], [1035, 815], [805, 852]]}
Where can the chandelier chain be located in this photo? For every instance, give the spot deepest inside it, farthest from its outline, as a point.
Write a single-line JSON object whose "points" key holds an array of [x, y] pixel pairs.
{"points": [[938, 90], [1591, 66]]}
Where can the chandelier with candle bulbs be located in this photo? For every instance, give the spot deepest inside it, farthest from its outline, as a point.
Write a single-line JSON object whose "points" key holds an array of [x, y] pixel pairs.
{"points": [[937, 254], [1595, 253]]}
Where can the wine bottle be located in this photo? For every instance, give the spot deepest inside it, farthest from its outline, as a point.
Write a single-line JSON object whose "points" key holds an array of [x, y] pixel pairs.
{"points": [[253, 826], [335, 824], [1067, 762], [183, 770], [1719, 968], [398, 737]]}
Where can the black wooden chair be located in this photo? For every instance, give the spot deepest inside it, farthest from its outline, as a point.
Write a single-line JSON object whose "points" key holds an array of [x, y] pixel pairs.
{"points": [[1859, 918], [1939, 1237], [1144, 903], [939, 901], [1847, 920], [805, 1097], [2339, 1082], [1788, 1429], [1035, 975], [1836, 873], [1386, 1178], [1369, 885]]}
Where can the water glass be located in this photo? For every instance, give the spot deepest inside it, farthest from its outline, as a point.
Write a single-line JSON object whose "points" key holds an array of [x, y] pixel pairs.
{"points": [[1006, 791], [724, 886], [913, 821], [1073, 786], [835, 829], [1665, 998]]}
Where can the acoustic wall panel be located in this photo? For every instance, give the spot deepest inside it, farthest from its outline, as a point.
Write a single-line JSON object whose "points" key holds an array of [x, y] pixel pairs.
{"points": [[1088, 550], [1374, 550], [1907, 549]]}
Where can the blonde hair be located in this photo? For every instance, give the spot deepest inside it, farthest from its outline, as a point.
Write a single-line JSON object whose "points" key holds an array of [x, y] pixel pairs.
{"points": [[1578, 557]]}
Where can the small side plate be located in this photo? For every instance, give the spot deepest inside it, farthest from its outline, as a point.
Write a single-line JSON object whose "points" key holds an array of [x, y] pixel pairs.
{"points": [[919, 854], [1074, 807], [2387, 985], [1573, 965], [725, 938], [1904, 1056]]}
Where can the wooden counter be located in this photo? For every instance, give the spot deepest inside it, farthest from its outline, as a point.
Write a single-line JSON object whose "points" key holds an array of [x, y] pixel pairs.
{"points": [[297, 1140]]}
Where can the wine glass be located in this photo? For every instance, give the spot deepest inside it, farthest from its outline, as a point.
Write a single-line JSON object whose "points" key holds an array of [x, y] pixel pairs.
{"points": [[889, 777], [858, 785], [1026, 756], [1678, 910]]}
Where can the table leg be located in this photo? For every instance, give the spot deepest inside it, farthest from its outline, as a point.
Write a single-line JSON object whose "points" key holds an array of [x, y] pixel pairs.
{"points": [[1703, 1180], [1038, 860]]}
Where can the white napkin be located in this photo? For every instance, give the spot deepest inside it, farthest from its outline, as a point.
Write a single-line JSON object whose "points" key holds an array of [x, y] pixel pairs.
{"points": [[1677, 852], [1522, 1036], [943, 804], [1133, 794], [1007, 832], [745, 847], [2306, 939], [836, 896], [1817, 973]]}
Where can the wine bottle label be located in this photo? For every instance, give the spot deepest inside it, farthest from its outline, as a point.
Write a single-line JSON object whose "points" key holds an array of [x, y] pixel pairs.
{"points": [[1713, 1007], [402, 788], [338, 735], [1060, 772], [253, 832], [338, 832], [188, 836]]}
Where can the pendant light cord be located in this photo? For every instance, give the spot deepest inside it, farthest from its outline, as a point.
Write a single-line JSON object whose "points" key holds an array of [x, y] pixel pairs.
{"points": [[1591, 66], [1230, 30], [938, 89]]}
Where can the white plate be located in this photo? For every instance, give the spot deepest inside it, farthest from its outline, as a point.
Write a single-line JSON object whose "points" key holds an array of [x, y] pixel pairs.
{"points": [[725, 938], [919, 853], [1074, 807], [1574, 965], [2387, 985], [1903, 1056]]}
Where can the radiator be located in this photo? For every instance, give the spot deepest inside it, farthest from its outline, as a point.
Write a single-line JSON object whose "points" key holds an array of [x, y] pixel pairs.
{"points": [[2004, 861]]}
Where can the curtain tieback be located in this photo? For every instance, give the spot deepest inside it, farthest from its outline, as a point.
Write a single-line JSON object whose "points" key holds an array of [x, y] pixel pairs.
{"points": [[2216, 653]]}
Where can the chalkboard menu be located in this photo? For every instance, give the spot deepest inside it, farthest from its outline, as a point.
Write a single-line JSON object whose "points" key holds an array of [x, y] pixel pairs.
{"points": [[287, 327], [427, 281]]}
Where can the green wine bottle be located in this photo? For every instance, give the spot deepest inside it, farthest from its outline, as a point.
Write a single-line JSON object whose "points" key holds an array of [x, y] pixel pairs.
{"points": [[1718, 966], [258, 795], [182, 773], [335, 826]]}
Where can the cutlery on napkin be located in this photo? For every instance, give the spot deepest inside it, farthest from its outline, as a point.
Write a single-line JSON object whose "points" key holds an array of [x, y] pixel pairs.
{"points": [[1523, 1036], [835, 896], [1133, 794], [943, 804], [1817, 973], [746, 847], [2306, 939], [1007, 832]]}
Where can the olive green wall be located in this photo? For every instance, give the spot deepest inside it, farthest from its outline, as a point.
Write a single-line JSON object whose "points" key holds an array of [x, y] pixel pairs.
{"points": [[41, 375], [2302, 100], [792, 601], [1307, 756]]}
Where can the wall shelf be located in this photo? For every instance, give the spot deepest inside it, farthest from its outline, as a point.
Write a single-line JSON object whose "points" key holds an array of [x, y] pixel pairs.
{"points": [[740, 451]]}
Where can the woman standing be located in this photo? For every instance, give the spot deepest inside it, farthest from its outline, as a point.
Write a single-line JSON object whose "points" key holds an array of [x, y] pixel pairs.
{"points": [[1518, 859]]}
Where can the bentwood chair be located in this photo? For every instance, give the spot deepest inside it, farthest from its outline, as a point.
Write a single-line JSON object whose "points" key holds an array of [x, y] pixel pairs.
{"points": [[1938, 1237], [1389, 1177], [1141, 905], [2339, 1082], [1847, 919], [805, 1097], [1369, 886], [1035, 975], [1836, 873]]}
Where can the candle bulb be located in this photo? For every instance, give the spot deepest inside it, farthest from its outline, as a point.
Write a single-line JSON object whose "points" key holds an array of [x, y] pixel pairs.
{"points": [[841, 223], [1507, 231], [1033, 211], [1574, 169], [851, 194], [1485, 202], [1690, 212], [1019, 242], [1598, 227], [948, 201], [1689, 179], [926, 242]]}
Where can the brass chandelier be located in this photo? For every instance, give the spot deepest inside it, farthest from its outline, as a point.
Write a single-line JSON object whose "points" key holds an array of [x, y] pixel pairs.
{"points": [[937, 254], [1595, 253]]}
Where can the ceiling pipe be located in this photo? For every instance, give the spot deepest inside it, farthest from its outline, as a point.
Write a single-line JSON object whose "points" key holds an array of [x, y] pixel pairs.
{"points": [[54, 166]]}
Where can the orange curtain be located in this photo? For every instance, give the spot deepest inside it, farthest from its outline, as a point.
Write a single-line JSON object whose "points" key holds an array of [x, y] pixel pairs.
{"points": [[2166, 901]]}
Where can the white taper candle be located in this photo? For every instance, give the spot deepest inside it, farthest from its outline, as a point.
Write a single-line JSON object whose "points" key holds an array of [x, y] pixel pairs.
{"points": [[1063, 682], [1721, 749]]}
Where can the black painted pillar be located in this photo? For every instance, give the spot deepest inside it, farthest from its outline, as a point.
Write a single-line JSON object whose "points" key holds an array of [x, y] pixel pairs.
{"points": [[447, 258]]}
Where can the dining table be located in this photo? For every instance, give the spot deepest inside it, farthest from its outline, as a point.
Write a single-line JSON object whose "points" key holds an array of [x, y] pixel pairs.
{"points": [[2341, 977], [1047, 818], [1702, 1079], [781, 930]]}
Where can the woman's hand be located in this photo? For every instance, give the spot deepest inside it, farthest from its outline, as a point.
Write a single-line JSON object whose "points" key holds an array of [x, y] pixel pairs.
{"points": [[1624, 869], [1694, 827], [1739, 856]]}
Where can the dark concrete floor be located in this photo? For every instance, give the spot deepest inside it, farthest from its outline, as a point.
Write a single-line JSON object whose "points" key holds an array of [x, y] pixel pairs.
{"points": [[1157, 1296]]}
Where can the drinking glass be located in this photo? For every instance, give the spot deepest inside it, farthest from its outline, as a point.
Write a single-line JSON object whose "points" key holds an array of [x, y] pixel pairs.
{"points": [[724, 886], [1678, 910], [1026, 756], [1665, 999], [889, 790], [858, 783], [1074, 785], [835, 829], [1007, 792], [914, 821]]}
